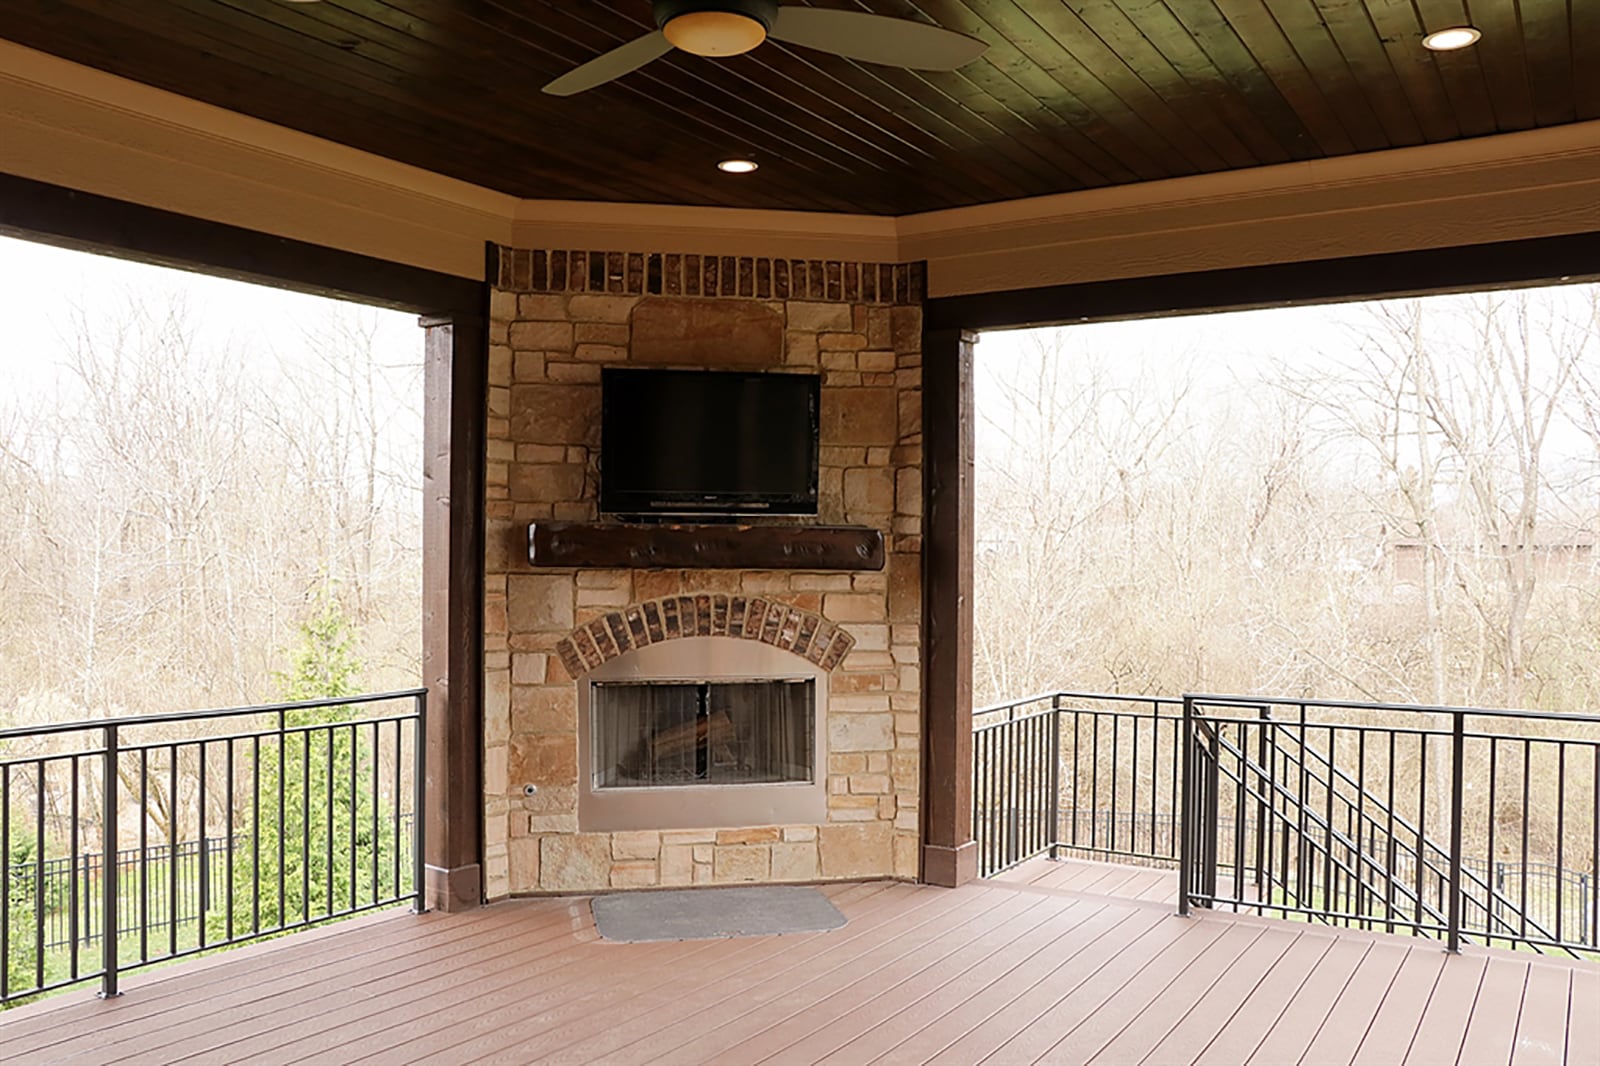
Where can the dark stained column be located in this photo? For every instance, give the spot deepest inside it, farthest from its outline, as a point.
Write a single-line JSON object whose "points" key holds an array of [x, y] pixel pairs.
{"points": [[949, 856], [456, 390]]}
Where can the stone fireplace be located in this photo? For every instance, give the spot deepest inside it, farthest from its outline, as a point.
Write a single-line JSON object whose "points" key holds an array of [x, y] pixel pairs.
{"points": [[652, 726]]}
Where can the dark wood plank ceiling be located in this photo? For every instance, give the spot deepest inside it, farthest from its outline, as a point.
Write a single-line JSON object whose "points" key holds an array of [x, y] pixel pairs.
{"points": [[1071, 95]]}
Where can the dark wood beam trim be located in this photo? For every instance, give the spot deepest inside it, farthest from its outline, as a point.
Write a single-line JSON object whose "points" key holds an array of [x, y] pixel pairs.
{"points": [[615, 545], [456, 314], [52, 214], [1501, 264], [949, 856]]}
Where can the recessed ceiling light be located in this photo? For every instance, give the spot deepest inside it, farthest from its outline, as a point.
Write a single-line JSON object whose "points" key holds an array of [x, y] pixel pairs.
{"points": [[737, 166], [1451, 39]]}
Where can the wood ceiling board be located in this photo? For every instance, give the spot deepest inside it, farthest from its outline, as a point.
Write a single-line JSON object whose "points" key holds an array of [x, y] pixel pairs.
{"points": [[1584, 22], [1504, 62], [1129, 66], [1255, 100], [1462, 72], [1547, 38], [1264, 42], [1400, 30], [1072, 94]]}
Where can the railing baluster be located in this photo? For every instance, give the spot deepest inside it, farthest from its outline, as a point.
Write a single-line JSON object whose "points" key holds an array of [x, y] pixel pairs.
{"points": [[110, 930], [5, 881], [1458, 750], [1055, 773], [419, 821]]}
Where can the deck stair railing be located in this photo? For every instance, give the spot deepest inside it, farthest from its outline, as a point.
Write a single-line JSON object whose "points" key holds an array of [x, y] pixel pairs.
{"points": [[1463, 824], [227, 826]]}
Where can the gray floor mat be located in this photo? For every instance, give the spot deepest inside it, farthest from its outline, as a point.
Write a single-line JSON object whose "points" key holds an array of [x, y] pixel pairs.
{"points": [[708, 913]]}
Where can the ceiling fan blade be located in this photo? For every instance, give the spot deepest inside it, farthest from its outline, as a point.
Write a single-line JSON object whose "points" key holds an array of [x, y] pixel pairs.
{"points": [[876, 38], [624, 59]]}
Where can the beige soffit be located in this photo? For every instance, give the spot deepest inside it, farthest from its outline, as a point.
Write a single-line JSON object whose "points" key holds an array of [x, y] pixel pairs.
{"points": [[81, 128], [78, 127], [1537, 183], [706, 230]]}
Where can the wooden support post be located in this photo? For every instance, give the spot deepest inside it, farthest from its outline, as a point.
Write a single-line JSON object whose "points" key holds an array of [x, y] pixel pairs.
{"points": [[949, 855], [456, 386]]}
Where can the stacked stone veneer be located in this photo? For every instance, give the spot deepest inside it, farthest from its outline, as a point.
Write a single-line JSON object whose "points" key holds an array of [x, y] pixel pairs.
{"points": [[557, 318]]}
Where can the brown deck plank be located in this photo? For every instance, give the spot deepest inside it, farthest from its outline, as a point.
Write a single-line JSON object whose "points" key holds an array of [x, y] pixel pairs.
{"points": [[176, 983], [1255, 1015], [667, 1021], [1171, 945], [1347, 1023], [252, 1015], [996, 971], [1492, 1029], [983, 1039], [1583, 1018], [472, 1009], [711, 1040], [142, 1011], [1542, 1026], [918, 1021], [1210, 1013], [503, 988], [917, 1036], [1163, 890], [927, 940], [1158, 996], [1305, 1013], [1394, 1027], [1444, 1022]]}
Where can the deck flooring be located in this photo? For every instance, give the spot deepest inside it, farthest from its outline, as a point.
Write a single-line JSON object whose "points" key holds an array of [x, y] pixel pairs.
{"points": [[1060, 962]]}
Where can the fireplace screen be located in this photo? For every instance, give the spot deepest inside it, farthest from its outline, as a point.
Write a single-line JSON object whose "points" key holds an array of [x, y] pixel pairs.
{"points": [[663, 734]]}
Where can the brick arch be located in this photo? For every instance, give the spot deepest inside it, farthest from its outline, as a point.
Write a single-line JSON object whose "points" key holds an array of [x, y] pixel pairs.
{"points": [[793, 629]]}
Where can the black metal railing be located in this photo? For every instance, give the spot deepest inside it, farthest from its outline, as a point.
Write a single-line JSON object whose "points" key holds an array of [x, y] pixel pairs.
{"points": [[1458, 823], [1465, 824], [1093, 773], [226, 826]]}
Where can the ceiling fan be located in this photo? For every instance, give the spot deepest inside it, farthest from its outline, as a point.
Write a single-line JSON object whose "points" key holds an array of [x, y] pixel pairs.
{"points": [[732, 27]]}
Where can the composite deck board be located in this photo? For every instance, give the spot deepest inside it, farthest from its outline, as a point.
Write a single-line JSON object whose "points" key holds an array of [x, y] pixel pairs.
{"points": [[1388, 1039], [1492, 1028], [1294, 1028], [1058, 962], [1444, 1025], [1339, 1038], [1179, 1024], [1542, 1026], [898, 990]]}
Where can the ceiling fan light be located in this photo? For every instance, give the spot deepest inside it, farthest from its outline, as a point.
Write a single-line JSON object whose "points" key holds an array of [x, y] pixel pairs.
{"points": [[715, 33]]}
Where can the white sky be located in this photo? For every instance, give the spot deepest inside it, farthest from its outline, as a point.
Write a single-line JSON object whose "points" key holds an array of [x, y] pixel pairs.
{"points": [[40, 285]]}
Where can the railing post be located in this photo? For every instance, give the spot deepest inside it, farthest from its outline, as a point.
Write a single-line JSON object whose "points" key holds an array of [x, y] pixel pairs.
{"points": [[1055, 772], [108, 869], [1458, 748], [419, 820], [1185, 829]]}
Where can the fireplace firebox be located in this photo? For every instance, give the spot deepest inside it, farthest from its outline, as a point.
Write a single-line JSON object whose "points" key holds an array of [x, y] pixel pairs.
{"points": [[669, 734], [701, 732]]}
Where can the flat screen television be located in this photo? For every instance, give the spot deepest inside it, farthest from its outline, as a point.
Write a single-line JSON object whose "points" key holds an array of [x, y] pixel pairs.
{"points": [[700, 442]]}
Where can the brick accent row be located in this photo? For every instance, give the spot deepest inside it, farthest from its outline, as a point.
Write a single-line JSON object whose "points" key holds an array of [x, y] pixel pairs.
{"points": [[793, 629], [676, 274]]}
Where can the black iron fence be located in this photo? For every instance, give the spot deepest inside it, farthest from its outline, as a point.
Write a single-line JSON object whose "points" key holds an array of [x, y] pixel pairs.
{"points": [[226, 826], [1097, 774], [1458, 823], [1466, 824]]}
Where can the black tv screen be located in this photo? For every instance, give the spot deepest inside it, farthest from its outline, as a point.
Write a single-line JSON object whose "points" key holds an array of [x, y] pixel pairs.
{"points": [[708, 442]]}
